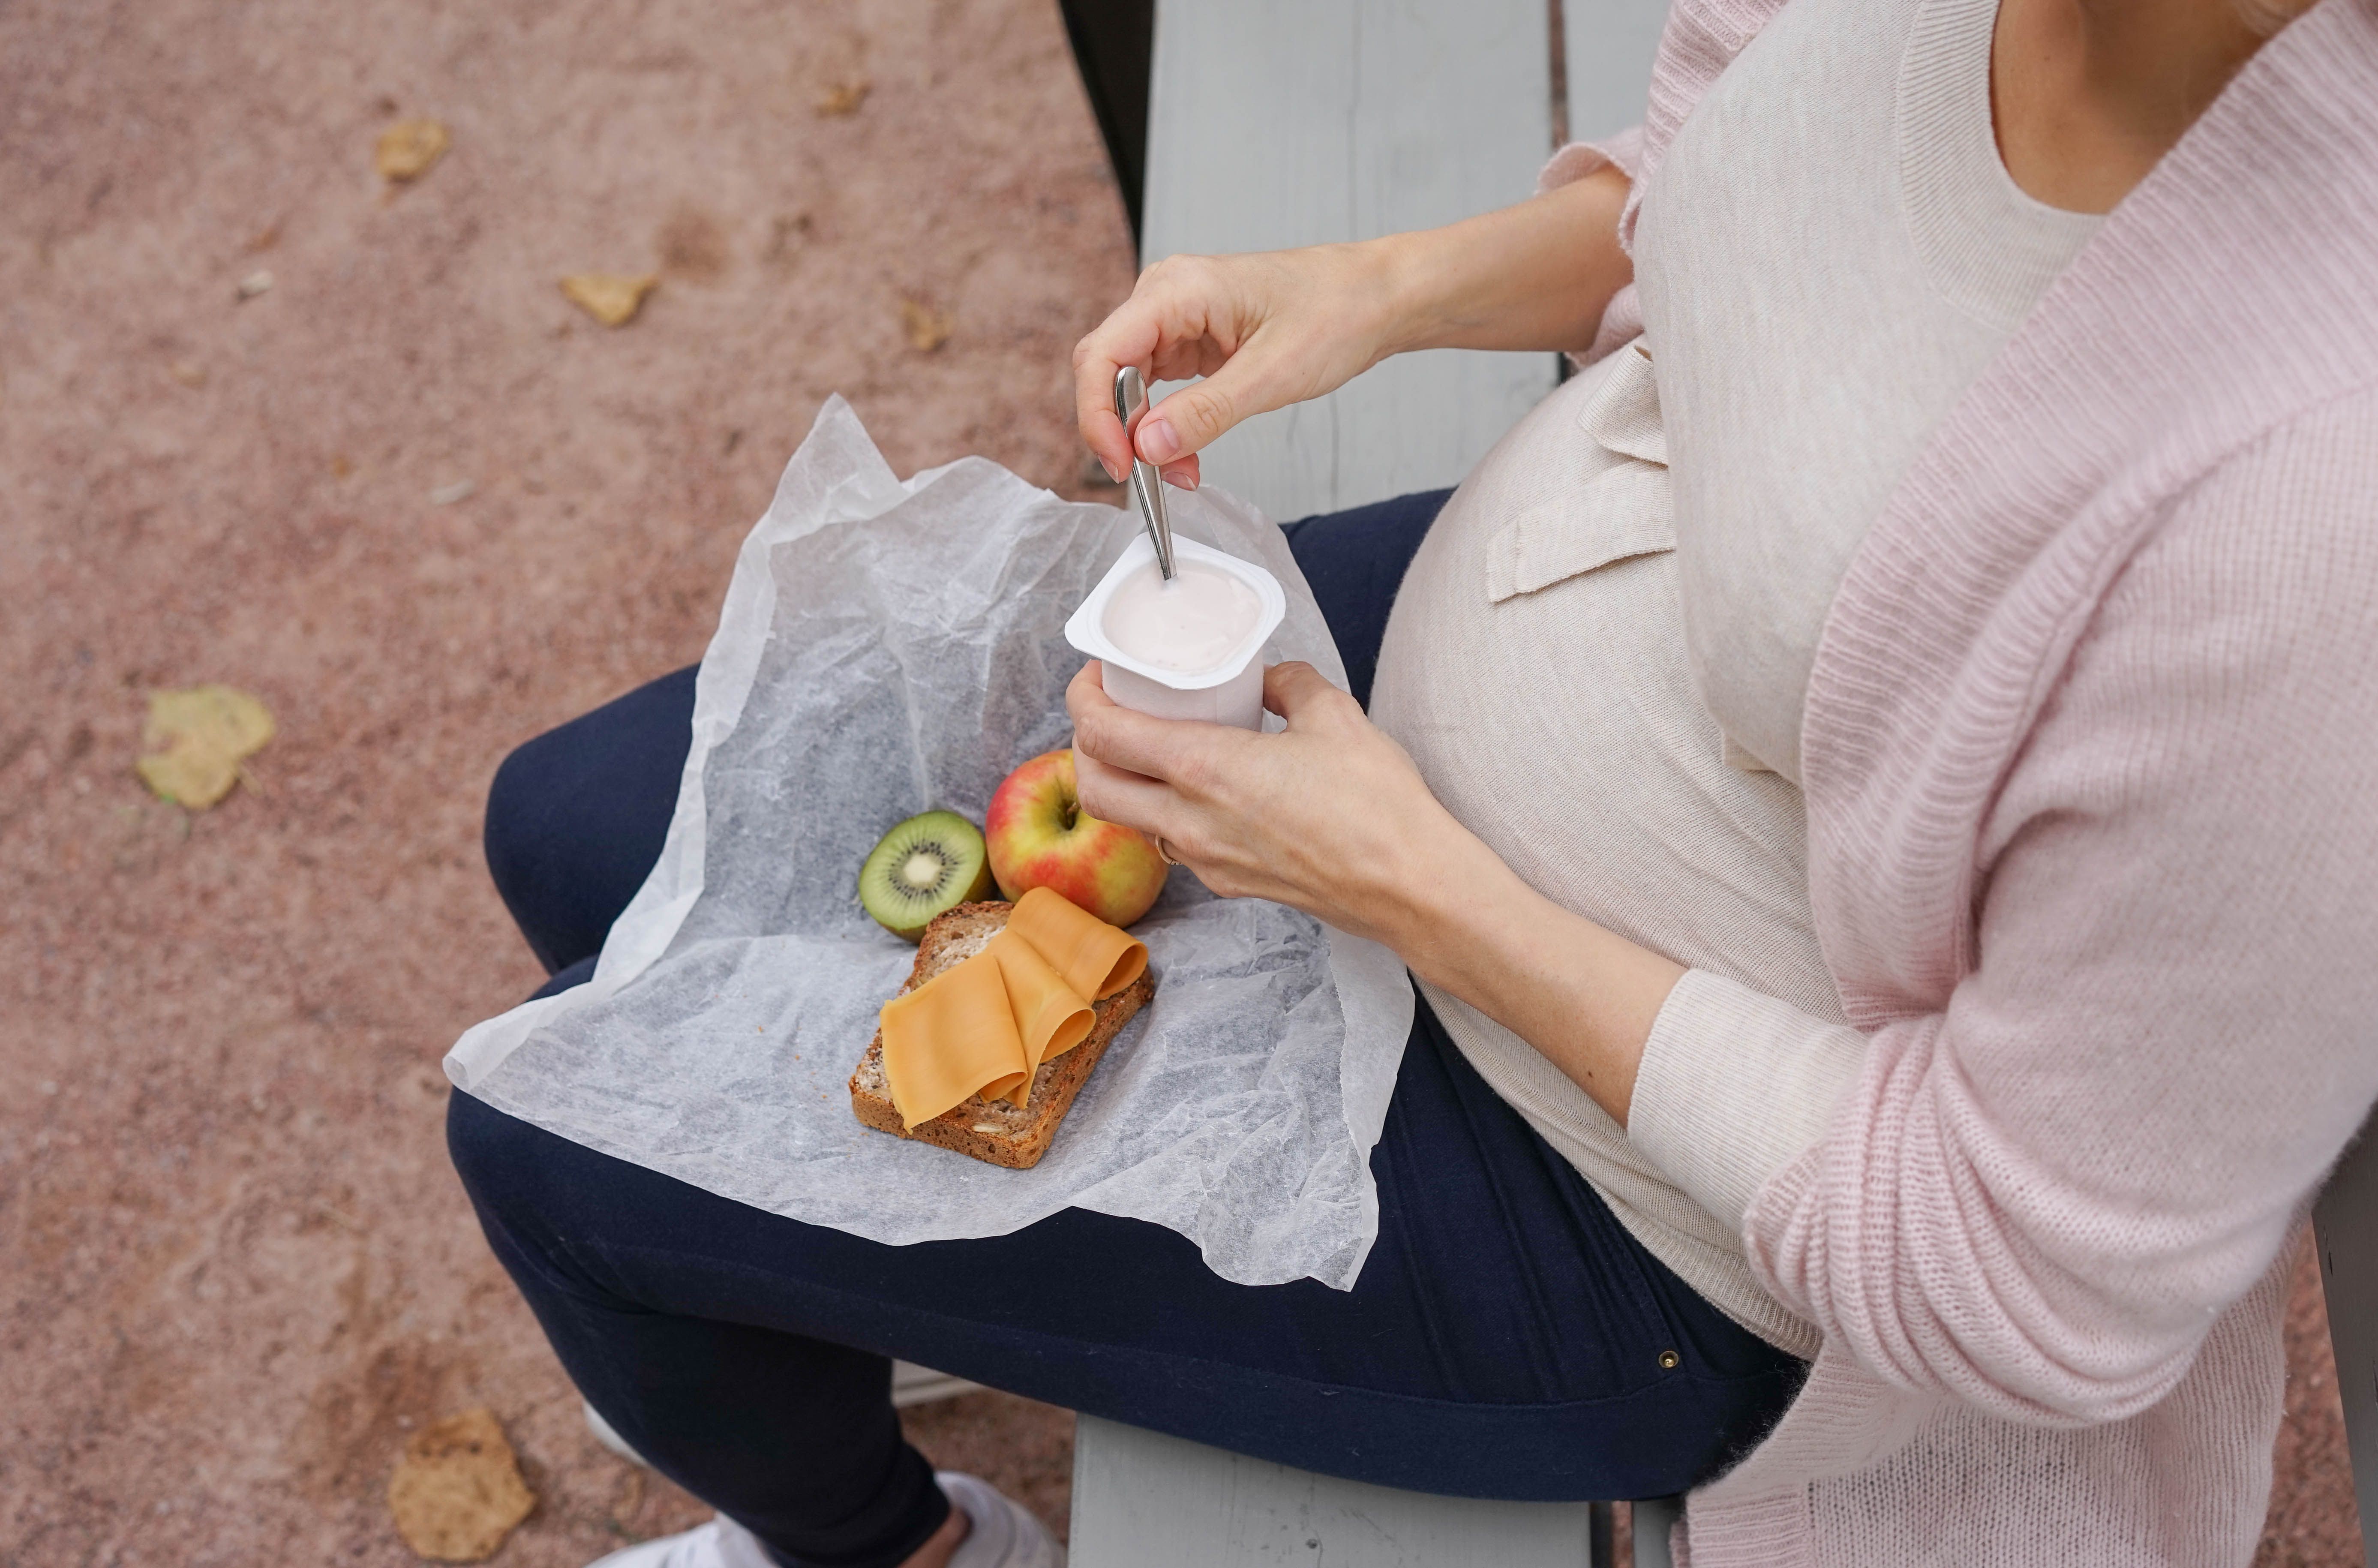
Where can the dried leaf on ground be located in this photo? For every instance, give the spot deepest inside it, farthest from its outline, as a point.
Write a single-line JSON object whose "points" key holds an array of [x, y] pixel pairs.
{"points": [[458, 1492], [845, 97], [607, 297], [195, 741], [256, 282], [927, 329], [407, 149]]}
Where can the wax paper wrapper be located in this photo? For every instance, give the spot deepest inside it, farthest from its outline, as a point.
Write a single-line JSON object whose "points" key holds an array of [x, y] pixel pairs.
{"points": [[888, 647]]}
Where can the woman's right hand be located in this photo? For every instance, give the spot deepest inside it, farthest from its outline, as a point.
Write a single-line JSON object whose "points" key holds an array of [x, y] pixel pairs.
{"points": [[1264, 330], [1276, 327]]}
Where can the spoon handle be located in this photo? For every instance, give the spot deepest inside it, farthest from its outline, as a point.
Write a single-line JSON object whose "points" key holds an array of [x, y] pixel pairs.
{"points": [[1146, 485]]}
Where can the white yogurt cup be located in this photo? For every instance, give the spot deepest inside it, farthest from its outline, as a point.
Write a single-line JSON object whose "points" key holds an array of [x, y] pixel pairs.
{"points": [[1229, 691]]}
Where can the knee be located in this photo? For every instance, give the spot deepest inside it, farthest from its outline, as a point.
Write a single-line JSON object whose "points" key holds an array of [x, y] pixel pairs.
{"points": [[518, 820], [496, 1155], [545, 855], [517, 1177], [577, 816]]}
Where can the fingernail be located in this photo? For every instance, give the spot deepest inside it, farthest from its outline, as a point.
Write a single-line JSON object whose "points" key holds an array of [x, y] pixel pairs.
{"points": [[1156, 441], [1180, 479], [1114, 470]]}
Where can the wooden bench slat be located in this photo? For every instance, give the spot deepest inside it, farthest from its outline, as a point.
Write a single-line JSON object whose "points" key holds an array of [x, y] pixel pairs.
{"points": [[1276, 125], [1608, 48], [1216, 1510], [1280, 125]]}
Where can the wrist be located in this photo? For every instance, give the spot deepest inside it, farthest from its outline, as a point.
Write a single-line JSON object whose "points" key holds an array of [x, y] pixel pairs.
{"points": [[1583, 996], [1534, 276], [1455, 901], [1423, 281]]}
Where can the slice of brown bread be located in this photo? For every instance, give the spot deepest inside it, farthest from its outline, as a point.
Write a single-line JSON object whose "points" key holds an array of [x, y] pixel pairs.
{"points": [[991, 1130]]}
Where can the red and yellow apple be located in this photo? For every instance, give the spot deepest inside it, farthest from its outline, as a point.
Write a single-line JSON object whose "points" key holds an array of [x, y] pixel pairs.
{"points": [[1039, 837]]}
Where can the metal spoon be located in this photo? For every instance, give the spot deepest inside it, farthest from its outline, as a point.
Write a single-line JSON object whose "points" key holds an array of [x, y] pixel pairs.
{"points": [[1146, 485]]}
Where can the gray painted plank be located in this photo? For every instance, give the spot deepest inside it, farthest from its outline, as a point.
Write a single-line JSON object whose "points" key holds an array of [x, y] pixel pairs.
{"points": [[1144, 1501], [1610, 46], [2346, 1222], [1275, 123], [1654, 1517]]}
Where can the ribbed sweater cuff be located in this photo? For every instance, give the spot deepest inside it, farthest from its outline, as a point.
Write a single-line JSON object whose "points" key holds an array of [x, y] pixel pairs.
{"points": [[1622, 319], [1734, 1085], [1579, 159]]}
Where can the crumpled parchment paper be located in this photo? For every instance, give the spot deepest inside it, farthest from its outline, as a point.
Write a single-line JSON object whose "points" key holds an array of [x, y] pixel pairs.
{"points": [[887, 647]]}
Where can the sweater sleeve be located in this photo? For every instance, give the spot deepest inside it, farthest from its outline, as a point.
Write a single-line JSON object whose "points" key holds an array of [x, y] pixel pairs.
{"points": [[1701, 37], [2040, 1198], [1622, 319], [1734, 1086]]}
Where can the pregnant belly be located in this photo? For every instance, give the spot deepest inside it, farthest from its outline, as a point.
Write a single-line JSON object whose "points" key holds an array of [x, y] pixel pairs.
{"points": [[1561, 726]]}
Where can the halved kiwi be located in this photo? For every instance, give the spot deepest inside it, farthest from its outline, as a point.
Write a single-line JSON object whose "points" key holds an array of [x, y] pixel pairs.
{"points": [[926, 865]]}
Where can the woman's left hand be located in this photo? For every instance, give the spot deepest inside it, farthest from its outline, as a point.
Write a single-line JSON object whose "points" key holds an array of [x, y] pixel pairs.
{"points": [[1329, 815]]}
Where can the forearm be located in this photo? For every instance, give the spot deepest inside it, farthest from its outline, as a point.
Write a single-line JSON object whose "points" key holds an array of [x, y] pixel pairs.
{"points": [[1583, 996], [1534, 276]]}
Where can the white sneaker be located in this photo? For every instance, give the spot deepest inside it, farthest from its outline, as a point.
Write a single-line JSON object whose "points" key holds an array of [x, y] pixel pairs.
{"points": [[722, 1543], [1005, 1535]]}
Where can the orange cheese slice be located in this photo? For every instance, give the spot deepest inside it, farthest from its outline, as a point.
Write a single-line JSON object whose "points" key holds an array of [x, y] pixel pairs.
{"points": [[1096, 958], [1050, 1016], [984, 1026], [949, 1038]]}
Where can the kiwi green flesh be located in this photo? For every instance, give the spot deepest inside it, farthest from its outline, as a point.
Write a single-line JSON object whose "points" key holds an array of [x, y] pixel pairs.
{"points": [[926, 865]]}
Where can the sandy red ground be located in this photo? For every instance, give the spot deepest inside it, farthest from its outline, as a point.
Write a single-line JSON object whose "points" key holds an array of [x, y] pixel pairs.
{"points": [[234, 1268]]}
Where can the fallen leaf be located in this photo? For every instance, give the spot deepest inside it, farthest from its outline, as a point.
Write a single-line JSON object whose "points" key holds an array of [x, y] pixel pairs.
{"points": [[407, 149], [195, 741], [256, 282], [927, 329], [458, 1492], [845, 97], [266, 238], [188, 372], [608, 297], [629, 1497]]}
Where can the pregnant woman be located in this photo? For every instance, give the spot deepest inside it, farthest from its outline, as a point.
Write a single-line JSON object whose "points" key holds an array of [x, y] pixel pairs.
{"points": [[1877, 779]]}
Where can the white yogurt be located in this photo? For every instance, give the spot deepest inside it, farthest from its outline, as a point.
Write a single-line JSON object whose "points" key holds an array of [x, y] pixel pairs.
{"points": [[1186, 649], [1192, 625]]}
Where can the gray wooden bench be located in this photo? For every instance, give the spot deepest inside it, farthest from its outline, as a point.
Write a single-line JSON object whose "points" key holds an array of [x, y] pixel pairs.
{"points": [[1278, 123]]}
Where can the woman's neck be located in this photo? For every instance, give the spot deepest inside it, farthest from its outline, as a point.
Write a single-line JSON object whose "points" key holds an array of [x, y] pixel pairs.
{"points": [[2087, 95]]}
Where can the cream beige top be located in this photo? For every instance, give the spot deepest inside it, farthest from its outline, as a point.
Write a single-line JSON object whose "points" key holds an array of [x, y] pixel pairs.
{"points": [[1599, 657]]}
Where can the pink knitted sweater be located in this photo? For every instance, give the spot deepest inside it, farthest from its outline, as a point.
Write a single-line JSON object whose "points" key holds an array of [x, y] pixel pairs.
{"points": [[2091, 769]]}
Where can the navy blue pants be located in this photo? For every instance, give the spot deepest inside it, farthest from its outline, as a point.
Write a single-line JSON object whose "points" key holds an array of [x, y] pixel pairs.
{"points": [[1508, 1337]]}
